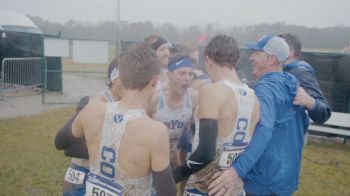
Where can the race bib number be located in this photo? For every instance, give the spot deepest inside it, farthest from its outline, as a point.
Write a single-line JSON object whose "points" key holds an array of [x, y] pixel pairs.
{"points": [[188, 193], [99, 186], [74, 176], [228, 155]]}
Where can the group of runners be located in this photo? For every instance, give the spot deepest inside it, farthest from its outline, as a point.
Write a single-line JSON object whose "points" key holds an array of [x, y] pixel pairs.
{"points": [[161, 122]]}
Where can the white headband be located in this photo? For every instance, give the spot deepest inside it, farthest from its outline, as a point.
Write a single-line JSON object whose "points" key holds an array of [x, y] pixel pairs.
{"points": [[114, 74]]}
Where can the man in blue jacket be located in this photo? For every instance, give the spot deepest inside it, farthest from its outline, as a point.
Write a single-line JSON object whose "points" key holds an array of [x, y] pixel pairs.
{"points": [[314, 100], [271, 163]]}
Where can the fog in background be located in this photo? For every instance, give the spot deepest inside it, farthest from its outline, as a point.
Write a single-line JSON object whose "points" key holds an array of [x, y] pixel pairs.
{"points": [[319, 23]]}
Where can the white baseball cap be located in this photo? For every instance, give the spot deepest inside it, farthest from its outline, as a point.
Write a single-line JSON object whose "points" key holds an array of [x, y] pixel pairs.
{"points": [[272, 45]]}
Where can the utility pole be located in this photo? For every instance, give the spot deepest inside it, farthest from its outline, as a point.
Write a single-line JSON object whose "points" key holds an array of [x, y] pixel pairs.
{"points": [[118, 29]]}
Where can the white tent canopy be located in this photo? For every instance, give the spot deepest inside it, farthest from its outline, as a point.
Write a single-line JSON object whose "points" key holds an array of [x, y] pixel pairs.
{"points": [[14, 21]]}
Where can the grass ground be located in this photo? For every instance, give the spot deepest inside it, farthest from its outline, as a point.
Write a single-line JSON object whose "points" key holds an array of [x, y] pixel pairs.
{"points": [[325, 169], [30, 164]]}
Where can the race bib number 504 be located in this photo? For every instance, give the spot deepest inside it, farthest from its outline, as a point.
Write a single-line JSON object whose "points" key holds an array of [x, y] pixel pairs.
{"points": [[229, 154], [99, 186]]}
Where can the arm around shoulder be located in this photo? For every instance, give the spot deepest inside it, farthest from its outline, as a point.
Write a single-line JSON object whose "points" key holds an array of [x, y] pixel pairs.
{"points": [[262, 134], [321, 111], [64, 138]]}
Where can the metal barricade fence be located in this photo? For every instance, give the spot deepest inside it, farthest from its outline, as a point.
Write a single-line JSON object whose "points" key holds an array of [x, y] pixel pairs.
{"points": [[20, 73]]}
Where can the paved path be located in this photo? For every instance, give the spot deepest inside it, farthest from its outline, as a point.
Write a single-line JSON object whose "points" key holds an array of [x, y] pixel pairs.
{"points": [[29, 102]]}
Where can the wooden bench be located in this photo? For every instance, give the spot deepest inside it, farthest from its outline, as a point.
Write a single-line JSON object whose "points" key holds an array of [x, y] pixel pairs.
{"points": [[338, 124]]}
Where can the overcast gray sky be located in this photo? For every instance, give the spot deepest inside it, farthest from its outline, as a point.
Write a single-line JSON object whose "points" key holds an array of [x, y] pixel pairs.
{"points": [[311, 13]]}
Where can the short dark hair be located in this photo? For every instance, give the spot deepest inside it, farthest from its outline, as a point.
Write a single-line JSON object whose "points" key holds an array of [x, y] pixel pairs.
{"points": [[137, 66], [223, 50], [293, 42], [155, 41], [151, 39]]}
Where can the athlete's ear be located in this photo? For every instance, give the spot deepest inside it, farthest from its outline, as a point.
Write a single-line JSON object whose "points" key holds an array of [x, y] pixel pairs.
{"points": [[208, 61], [169, 74], [273, 60], [154, 81]]}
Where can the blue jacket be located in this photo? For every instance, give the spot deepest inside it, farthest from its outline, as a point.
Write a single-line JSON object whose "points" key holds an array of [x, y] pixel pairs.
{"points": [[271, 162], [307, 79]]}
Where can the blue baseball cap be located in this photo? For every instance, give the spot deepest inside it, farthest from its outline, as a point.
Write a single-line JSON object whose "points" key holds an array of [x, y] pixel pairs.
{"points": [[273, 45]]}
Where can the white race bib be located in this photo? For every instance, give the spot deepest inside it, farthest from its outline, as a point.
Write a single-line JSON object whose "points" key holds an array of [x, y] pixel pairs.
{"points": [[74, 176], [228, 155], [99, 186], [187, 193]]}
